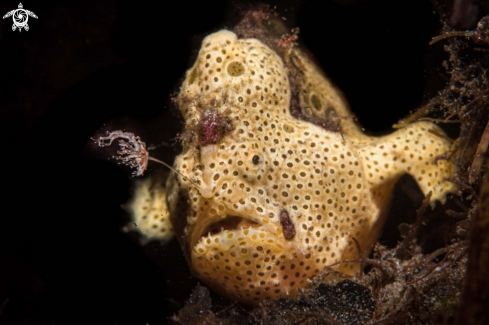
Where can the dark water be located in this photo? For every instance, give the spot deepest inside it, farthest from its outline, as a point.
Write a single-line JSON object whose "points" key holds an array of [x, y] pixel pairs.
{"points": [[81, 65]]}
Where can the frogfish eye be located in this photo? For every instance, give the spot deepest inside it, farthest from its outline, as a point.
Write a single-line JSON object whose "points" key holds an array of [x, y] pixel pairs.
{"points": [[256, 159]]}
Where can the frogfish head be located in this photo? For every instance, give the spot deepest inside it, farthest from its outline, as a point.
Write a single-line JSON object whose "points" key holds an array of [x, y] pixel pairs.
{"points": [[277, 199]]}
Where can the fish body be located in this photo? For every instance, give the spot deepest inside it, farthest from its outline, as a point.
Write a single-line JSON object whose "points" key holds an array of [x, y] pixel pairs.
{"points": [[289, 181]]}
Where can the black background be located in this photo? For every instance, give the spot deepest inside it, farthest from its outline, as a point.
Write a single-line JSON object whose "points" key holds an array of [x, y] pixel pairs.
{"points": [[89, 66]]}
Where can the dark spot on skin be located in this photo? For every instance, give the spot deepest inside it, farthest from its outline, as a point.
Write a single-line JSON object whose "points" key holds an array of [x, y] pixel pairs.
{"points": [[287, 225], [256, 159], [316, 102]]}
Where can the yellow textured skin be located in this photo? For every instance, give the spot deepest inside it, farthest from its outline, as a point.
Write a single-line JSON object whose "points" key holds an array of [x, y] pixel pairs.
{"points": [[149, 211], [333, 185]]}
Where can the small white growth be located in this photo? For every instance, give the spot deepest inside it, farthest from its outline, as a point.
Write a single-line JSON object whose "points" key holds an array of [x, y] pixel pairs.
{"points": [[149, 211]]}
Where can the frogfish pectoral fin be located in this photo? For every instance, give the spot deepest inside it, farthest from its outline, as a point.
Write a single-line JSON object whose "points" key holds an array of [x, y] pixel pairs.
{"points": [[412, 150]]}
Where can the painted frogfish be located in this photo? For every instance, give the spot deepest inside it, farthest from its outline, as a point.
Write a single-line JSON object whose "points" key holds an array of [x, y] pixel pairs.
{"points": [[276, 181]]}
